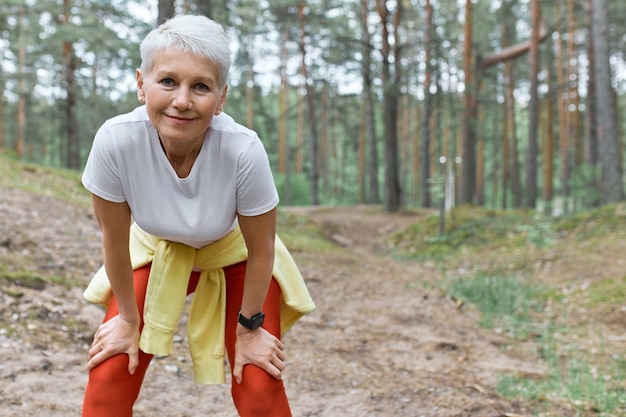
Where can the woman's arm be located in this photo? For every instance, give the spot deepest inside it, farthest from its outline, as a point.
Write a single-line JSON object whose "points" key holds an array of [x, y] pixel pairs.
{"points": [[258, 347], [114, 220], [120, 334], [259, 234]]}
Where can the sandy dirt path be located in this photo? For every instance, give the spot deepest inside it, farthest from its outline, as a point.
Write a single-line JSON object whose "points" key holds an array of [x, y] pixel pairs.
{"points": [[381, 343]]}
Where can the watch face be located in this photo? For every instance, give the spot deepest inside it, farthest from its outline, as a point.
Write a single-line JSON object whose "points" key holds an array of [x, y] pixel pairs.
{"points": [[257, 320]]}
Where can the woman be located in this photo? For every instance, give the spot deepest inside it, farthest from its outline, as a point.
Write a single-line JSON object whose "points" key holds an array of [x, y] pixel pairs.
{"points": [[186, 203]]}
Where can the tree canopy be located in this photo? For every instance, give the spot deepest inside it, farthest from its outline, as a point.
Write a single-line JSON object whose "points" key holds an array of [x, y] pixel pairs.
{"points": [[502, 103]]}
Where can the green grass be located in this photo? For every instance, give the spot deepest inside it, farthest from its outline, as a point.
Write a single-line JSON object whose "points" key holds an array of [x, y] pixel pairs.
{"points": [[573, 377], [506, 302], [608, 291], [63, 184], [300, 234], [472, 230], [595, 223], [29, 279], [500, 249], [589, 388], [475, 230]]}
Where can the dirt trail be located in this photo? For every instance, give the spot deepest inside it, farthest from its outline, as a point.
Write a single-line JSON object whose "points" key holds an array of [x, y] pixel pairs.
{"points": [[382, 342]]}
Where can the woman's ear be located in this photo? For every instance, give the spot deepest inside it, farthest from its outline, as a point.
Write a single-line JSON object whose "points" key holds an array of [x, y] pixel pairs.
{"points": [[222, 101], [140, 95]]}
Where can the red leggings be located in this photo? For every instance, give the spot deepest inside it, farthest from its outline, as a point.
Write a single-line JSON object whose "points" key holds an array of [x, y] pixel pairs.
{"points": [[111, 391]]}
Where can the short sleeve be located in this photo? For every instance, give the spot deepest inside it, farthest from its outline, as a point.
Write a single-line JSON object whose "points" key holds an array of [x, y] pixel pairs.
{"points": [[101, 174], [256, 190]]}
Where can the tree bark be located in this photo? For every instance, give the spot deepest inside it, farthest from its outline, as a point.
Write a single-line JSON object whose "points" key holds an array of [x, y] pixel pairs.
{"points": [[426, 114], [392, 197], [562, 114], [513, 159], [21, 87], [572, 88], [591, 143], [480, 166], [314, 175], [250, 86], [166, 10], [511, 52], [282, 104], [71, 129], [468, 151], [368, 107], [326, 126], [547, 153], [533, 108], [611, 187], [3, 143], [205, 7]]}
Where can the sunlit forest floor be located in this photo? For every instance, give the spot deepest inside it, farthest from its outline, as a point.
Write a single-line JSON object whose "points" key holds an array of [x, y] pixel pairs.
{"points": [[504, 314]]}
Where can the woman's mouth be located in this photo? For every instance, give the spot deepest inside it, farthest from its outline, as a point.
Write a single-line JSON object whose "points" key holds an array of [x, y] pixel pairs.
{"points": [[179, 119]]}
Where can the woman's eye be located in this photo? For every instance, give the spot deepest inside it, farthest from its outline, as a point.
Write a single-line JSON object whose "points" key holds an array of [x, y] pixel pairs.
{"points": [[202, 87], [168, 82]]}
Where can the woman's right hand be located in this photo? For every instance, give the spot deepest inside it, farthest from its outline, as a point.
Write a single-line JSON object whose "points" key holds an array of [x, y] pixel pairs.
{"points": [[113, 337]]}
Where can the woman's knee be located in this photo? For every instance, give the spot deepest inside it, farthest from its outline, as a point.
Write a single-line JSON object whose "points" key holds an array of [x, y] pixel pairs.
{"points": [[260, 394]]}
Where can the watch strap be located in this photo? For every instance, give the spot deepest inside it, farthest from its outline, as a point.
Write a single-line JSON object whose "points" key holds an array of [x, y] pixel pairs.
{"points": [[253, 322]]}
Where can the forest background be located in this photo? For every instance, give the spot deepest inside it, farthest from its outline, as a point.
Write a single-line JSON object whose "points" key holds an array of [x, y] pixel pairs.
{"points": [[503, 104], [411, 103]]}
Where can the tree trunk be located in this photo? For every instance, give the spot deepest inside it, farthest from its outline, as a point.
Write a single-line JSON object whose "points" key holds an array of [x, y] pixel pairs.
{"points": [[282, 105], [314, 175], [404, 138], [611, 187], [562, 104], [572, 89], [368, 108], [284, 166], [480, 167], [361, 153], [533, 108], [468, 151], [71, 128], [510, 166], [547, 153], [21, 87], [426, 115], [166, 10], [514, 163], [300, 133], [326, 125], [205, 7], [3, 142], [250, 85], [506, 175], [392, 196], [591, 144]]}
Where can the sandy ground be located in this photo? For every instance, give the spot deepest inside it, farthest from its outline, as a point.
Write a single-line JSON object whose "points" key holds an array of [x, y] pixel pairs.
{"points": [[381, 342]]}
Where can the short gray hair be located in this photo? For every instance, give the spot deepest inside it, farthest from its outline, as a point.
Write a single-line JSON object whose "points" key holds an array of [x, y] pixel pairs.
{"points": [[197, 35]]}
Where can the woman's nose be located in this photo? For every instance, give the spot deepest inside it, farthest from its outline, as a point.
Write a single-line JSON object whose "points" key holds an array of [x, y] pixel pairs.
{"points": [[182, 98]]}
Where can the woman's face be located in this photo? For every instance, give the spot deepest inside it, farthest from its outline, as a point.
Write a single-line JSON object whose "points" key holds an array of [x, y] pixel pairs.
{"points": [[181, 94]]}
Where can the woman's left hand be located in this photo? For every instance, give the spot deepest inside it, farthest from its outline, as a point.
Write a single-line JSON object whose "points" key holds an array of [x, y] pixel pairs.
{"points": [[258, 347]]}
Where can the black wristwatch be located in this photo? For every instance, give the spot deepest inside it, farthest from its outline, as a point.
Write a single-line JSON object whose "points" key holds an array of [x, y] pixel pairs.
{"points": [[252, 323]]}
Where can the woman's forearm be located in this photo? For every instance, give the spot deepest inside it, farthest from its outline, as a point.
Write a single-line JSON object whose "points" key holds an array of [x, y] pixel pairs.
{"points": [[114, 220], [257, 280], [120, 273], [259, 233]]}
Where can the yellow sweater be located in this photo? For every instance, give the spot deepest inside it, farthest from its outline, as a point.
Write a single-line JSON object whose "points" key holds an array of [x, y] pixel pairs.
{"points": [[171, 268]]}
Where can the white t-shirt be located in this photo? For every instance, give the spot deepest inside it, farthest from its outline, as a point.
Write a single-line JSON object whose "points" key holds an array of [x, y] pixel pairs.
{"points": [[230, 175]]}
